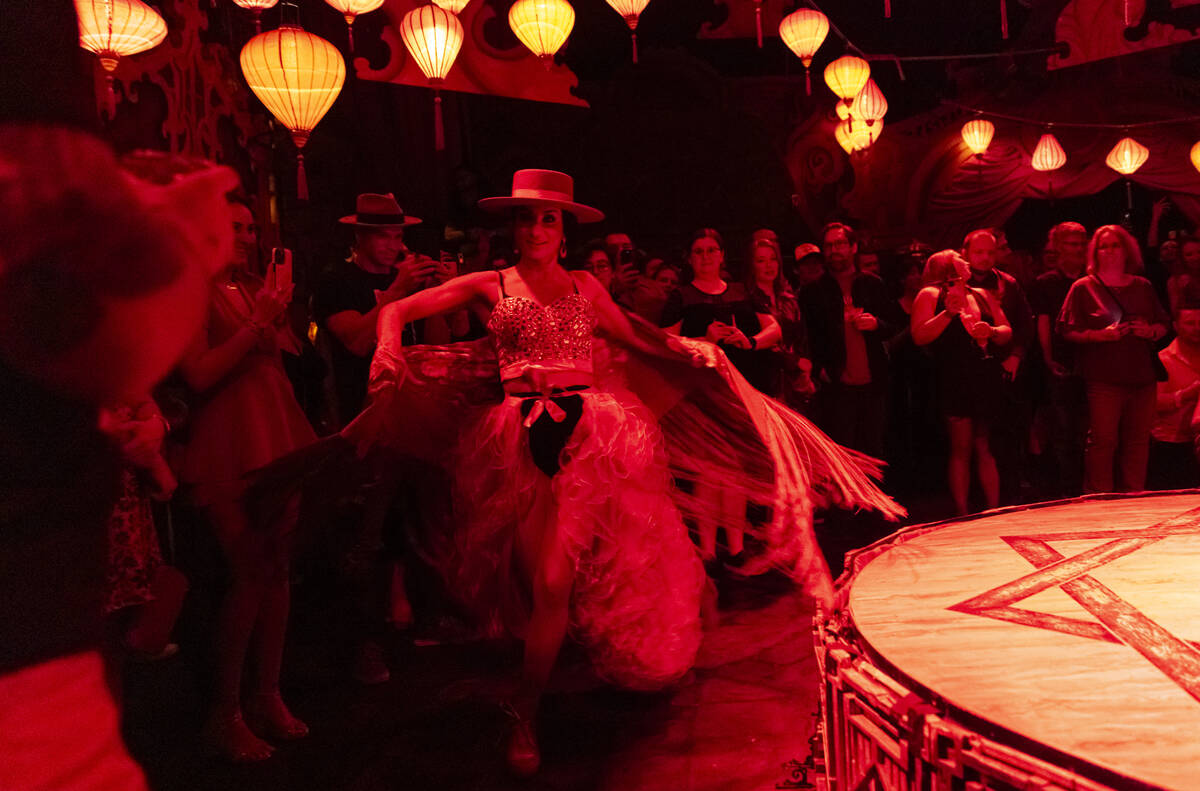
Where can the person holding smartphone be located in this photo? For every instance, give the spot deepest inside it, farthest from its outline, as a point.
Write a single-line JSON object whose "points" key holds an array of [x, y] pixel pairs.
{"points": [[380, 270]]}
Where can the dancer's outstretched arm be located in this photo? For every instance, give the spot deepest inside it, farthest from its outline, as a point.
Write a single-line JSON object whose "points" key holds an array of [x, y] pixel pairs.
{"points": [[451, 295]]}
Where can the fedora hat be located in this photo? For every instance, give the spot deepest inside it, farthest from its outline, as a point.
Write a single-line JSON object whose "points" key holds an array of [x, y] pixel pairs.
{"points": [[372, 210], [547, 188]]}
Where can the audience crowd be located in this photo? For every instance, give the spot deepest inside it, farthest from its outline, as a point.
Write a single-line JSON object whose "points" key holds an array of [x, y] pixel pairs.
{"points": [[982, 376]]}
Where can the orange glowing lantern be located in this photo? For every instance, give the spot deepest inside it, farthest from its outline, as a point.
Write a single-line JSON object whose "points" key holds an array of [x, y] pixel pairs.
{"points": [[1196, 156], [454, 6], [542, 25], [630, 11], [857, 137], [350, 9], [297, 76], [114, 29], [870, 104], [803, 32], [257, 6], [842, 135], [1127, 156], [842, 110], [977, 135], [433, 36], [846, 76], [1048, 155]]}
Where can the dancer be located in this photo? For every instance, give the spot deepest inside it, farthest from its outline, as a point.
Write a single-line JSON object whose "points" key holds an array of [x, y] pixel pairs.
{"points": [[565, 515], [600, 545]]}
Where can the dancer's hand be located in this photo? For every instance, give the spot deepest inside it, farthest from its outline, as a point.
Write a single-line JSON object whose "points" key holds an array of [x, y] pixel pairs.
{"points": [[737, 339]]}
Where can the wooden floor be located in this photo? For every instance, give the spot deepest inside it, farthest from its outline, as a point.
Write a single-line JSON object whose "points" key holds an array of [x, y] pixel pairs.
{"points": [[1076, 625]]}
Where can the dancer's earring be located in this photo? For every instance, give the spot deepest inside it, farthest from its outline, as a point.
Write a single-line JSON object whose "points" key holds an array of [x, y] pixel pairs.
{"points": [[562, 249]]}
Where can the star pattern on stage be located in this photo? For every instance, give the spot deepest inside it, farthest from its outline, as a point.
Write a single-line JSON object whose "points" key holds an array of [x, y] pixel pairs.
{"points": [[1116, 620]]}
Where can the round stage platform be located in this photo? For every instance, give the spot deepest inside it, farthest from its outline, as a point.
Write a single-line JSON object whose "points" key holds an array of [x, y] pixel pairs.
{"points": [[1055, 645]]}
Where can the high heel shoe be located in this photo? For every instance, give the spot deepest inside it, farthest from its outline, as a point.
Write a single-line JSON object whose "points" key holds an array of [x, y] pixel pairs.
{"points": [[270, 715], [523, 756]]}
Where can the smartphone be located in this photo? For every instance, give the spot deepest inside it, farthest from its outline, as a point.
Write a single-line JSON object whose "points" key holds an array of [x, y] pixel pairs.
{"points": [[279, 273], [626, 257]]}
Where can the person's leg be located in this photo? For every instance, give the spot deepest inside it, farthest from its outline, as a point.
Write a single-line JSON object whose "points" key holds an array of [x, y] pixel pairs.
{"points": [[985, 464], [1104, 415], [547, 561], [958, 466], [271, 632], [150, 631], [244, 549], [1136, 421]]}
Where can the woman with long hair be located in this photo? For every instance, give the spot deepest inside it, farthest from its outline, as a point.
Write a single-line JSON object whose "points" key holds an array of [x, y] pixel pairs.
{"points": [[246, 416], [1114, 317], [962, 325], [770, 292]]}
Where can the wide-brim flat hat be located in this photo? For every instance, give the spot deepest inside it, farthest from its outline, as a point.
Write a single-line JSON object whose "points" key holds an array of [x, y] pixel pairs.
{"points": [[372, 210], [543, 188]]}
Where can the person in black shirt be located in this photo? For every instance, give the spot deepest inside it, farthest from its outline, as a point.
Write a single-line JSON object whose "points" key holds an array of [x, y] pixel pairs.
{"points": [[380, 270], [722, 312], [1062, 421], [982, 250], [846, 312], [709, 307]]}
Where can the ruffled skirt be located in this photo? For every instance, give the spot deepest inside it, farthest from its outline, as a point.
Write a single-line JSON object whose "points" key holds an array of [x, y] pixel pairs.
{"points": [[635, 602]]}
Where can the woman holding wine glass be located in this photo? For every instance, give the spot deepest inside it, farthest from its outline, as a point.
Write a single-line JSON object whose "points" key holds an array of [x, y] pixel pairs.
{"points": [[961, 325]]}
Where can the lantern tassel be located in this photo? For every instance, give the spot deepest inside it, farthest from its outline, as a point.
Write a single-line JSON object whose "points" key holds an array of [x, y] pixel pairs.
{"points": [[1004, 20], [439, 130], [301, 177], [807, 82], [350, 36], [887, 9], [758, 21], [257, 21], [633, 36], [110, 97]]}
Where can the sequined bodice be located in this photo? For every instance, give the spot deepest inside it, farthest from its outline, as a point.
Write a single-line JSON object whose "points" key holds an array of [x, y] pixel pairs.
{"points": [[557, 336]]}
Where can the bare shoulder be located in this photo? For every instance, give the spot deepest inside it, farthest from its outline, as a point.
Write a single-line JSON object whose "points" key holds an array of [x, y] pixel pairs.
{"points": [[588, 285]]}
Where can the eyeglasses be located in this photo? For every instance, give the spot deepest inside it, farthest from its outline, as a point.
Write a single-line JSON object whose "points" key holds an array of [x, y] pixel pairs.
{"points": [[709, 251], [837, 243]]}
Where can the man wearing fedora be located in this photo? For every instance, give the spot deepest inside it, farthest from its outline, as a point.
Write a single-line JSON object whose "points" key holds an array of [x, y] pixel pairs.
{"points": [[379, 270]]}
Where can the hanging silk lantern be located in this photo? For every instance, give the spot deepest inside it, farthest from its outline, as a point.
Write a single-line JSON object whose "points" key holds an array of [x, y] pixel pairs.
{"points": [[1127, 156], [841, 133], [114, 29], [297, 76], [859, 137], [1196, 156], [433, 36], [803, 32], [1048, 155], [630, 11], [542, 25], [350, 9], [842, 110], [977, 135], [454, 6], [870, 104], [846, 76], [257, 6]]}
